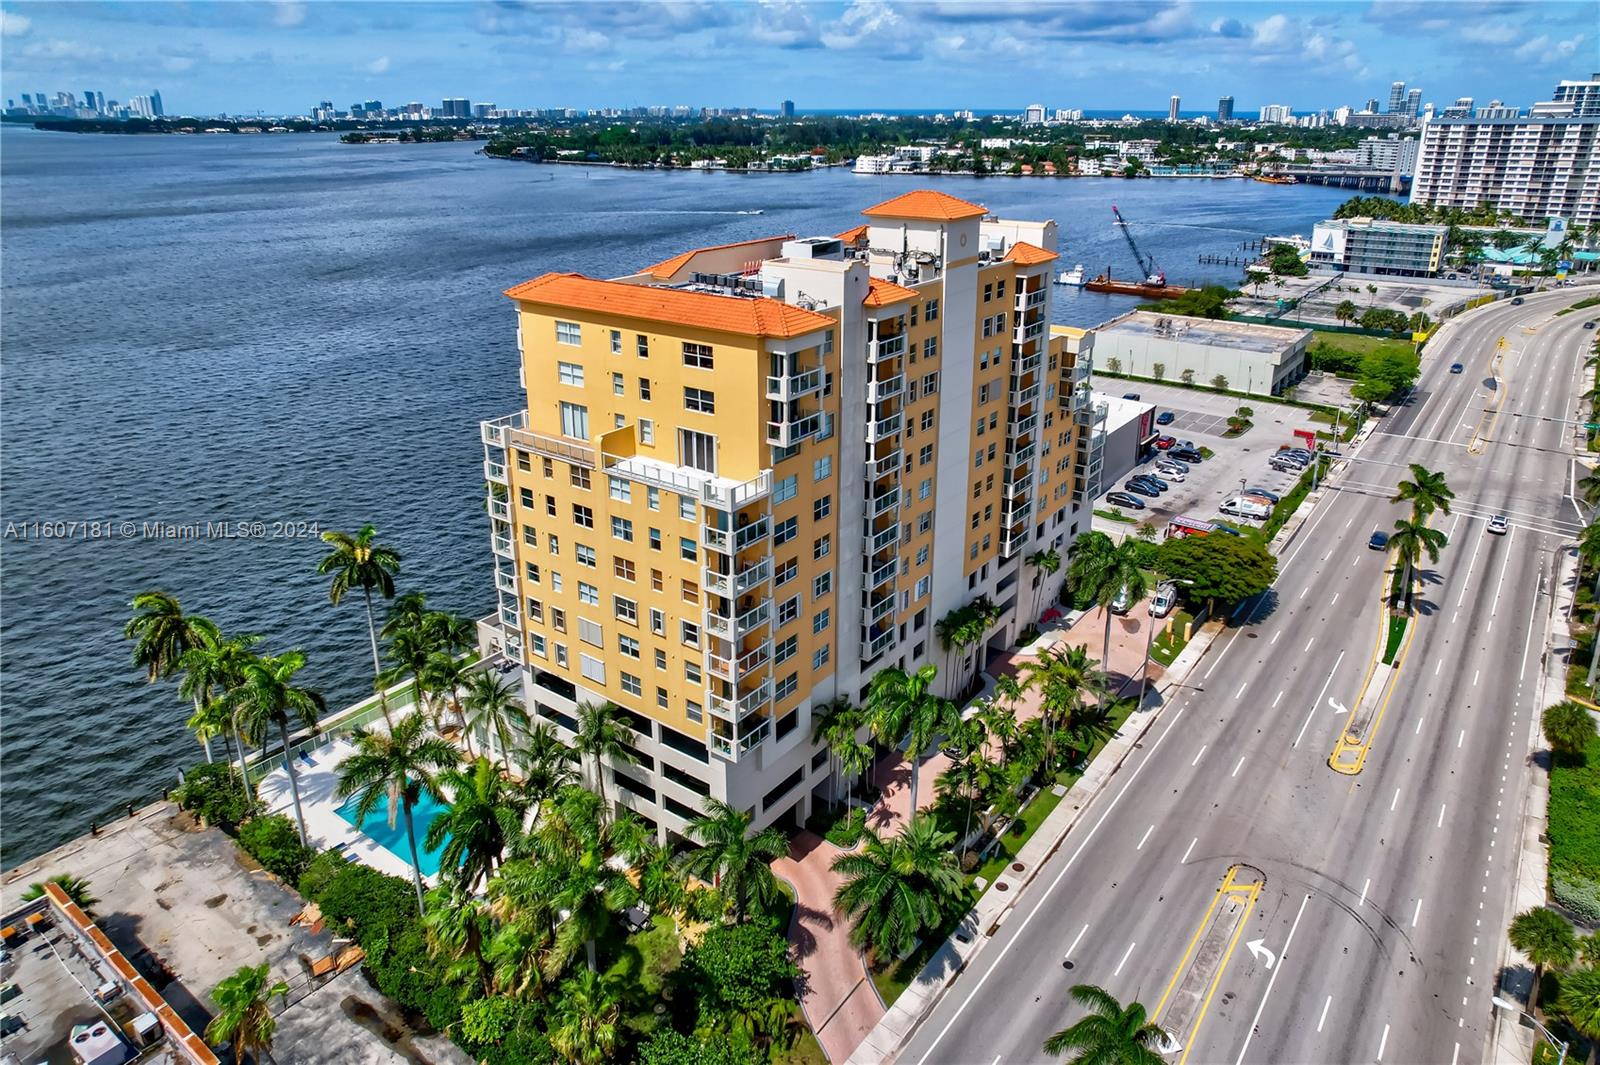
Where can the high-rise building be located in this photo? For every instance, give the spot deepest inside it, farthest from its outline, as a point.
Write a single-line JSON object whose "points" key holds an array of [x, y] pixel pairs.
{"points": [[455, 107], [156, 109], [1583, 96], [1397, 97], [1371, 106], [1172, 109], [1542, 165], [1225, 109], [1033, 115], [786, 109], [1277, 114], [1462, 108], [1496, 109], [751, 476]]}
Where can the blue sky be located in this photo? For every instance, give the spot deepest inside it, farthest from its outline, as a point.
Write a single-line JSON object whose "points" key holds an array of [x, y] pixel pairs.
{"points": [[283, 56]]}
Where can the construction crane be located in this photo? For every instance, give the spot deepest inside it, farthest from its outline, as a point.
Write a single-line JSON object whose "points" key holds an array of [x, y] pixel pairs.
{"points": [[1147, 264]]}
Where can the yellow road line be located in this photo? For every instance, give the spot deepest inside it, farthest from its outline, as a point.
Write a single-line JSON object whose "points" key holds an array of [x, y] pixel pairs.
{"points": [[1253, 893], [1487, 419], [1194, 941], [1394, 682]]}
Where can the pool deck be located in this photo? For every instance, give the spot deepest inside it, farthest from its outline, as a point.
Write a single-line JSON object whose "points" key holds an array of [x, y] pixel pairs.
{"points": [[318, 777]]}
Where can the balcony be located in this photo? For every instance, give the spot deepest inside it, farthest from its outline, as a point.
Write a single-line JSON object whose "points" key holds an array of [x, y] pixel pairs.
{"points": [[788, 434], [1028, 301], [733, 670], [505, 581], [784, 389], [714, 491], [888, 348], [1013, 541], [877, 609], [883, 540], [873, 646], [502, 547], [730, 585], [727, 543], [875, 578], [878, 391], [495, 472], [1022, 426], [1027, 332], [1080, 371], [1019, 487], [884, 428], [1025, 365], [883, 503], [737, 710], [509, 618], [1021, 396], [500, 509], [496, 431], [882, 467], [1020, 457], [1017, 514], [736, 628]]}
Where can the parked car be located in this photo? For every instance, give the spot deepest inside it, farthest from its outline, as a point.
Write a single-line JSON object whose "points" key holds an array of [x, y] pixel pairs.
{"points": [[1499, 525], [1130, 395], [1144, 488], [1165, 599], [1123, 602], [1246, 507], [1153, 479], [1516, 301], [1187, 445], [1167, 462], [1287, 463], [1456, 367], [1588, 325], [1164, 442], [1271, 497], [1123, 499], [1172, 473], [1378, 540], [1166, 417], [1184, 454]]}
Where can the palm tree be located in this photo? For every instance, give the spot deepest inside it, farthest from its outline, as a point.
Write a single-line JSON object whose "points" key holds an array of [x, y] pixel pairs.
{"points": [[1568, 728], [492, 708], [966, 779], [395, 768], [358, 562], [1426, 490], [1410, 541], [1106, 569], [837, 726], [267, 696], [443, 674], [1111, 1034], [406, 611], [902, 705], [209, 673], [1064, 676], [1091, 724], [75, 887], [588, 1007], [735, 862], [896, 889], [244, 1012], [1579, 1003], [576, 844], [162, 633], [1589, 486], [483, 818], [600, 737], [546, 767], [1046, 563], [456, 928], [1547, 939]]}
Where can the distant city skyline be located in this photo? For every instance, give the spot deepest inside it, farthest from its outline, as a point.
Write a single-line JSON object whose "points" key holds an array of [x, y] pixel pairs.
{"points": [[282, 57]]}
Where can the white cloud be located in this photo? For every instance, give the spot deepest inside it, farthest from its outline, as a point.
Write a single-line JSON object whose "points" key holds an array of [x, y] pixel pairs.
{"points": [[288, 13], [578, 39], [1272, 31], [14, 25], [1489, 33], [176, 64], [872, 24], [1542, 49], [379, 65]]}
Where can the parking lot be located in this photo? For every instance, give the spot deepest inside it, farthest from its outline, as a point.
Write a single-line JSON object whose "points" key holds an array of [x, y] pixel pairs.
{"points": [[1202, 417]]}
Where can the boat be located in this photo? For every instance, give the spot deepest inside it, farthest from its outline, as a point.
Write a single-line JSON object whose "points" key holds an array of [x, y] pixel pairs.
{"points": [[1277, 179], [1154, 288], [1073, 277]]}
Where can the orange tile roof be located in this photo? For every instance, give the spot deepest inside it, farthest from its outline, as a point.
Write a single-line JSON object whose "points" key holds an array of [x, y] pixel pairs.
{"points": [[853, 234], [883, 293], [663, 270], [926, 205], [754, 317], [1025, 254]]}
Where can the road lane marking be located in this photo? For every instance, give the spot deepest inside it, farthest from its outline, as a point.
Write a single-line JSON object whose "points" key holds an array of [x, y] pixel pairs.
{"points": [[1304, 590], [1528, 642], [1441, 817], [1197, 756], [1383, 1042], [1418, 911], [1076, 939], [1275, 637], [1275, 699], [1461, 739], [1362, 901], [1307, 647], [1467, 580], [1242, 687], [1242, 897], [1323, 1019], [1118, 970], [1145, 837], [1236, 766], [1317, 701], [1420, 720], [1185, 859], [1333, 601], [1438, 666], [1283, 956], [1394, 801], [1475, 674]]}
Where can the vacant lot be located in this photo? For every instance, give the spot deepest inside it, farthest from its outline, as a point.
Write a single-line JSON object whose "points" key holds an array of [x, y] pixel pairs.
{"points": [[1361, 345]]}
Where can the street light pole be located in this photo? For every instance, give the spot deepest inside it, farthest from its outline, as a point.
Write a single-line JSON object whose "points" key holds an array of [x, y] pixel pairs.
{"points": [[1506, 1004]]}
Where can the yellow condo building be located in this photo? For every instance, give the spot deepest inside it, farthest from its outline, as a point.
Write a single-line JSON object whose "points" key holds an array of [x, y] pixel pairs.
{"points": [[751, 476]]}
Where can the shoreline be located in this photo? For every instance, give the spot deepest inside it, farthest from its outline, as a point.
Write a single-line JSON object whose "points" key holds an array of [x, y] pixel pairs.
{"points": [[847, 167]]}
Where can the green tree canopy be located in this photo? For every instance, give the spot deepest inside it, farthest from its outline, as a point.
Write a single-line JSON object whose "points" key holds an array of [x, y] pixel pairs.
{"points": [[1219, 567]]}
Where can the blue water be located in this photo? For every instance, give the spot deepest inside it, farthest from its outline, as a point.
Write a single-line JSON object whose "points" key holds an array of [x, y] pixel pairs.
{"points": [[393, 839], [290, 329]]}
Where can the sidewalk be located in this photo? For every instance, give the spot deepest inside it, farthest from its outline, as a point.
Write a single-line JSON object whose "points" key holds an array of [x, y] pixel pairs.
{"points": [[918, 999]]}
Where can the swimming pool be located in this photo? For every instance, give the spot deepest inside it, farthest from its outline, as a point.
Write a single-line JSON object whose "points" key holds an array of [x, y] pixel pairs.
{"points": [[376, 827]]}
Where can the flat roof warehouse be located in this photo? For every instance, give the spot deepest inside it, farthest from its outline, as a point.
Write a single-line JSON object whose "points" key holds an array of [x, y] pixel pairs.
{"points": [[1244, 336]]}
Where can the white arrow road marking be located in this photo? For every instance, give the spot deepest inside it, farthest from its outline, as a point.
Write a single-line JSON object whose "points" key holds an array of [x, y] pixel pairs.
{"points": [[1338, 707], [1262, 954]]}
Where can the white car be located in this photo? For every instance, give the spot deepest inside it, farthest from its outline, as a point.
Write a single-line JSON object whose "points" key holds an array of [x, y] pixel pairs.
{"points": [[1499, 525], [1165, 599], [1172, 473]]}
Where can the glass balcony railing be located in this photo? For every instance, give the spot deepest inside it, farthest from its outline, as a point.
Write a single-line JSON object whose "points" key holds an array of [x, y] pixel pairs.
{"points": [[878, 391], [877, 609], [883, 428], [884, 465], [1027, 301], [875, 645], [1026, 332], [1022, 426], [738, 709], [784, 389], [1020, 457], [495, 471], [729, 585], [874, 578], [885, 539], [734, 669], [502, 547], [888, 348], [882, 504], [790, 433]]}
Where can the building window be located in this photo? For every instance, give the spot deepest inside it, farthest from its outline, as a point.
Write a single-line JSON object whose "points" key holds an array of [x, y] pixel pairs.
{"points": [[568, 333], [689, 633], [642, 345], [692, 710], [788, 610], [702, 400], [661, 656], [535, 610], [661, 698], [690, 592], [561, 660], [537, 644], [622, 529], [652, 497], [574, 421], [582, 516], [658, 582], [930, 383], [922, 555], [697, 451], [925, 489], [786, 687], [654, 536], [785, 649], [524, 462], [626, 609], [698, 355], [821, 547], [819, 657], [590, 667], [784, 531], [631, 684], [924, 586], [821, 584], [927, 421], [691, 673], [786, 571], [619, 385], [644, 389], [531, 571], [620, 489], [623, 568], [784, 489], [688, 550], [658, 625], [647, 432], [686, 508], [925, 456], [930, 348], [616, 342], [822, 469], [569, 373], [932, 310], [820, 621], [553, 542], [821, 508], [588, 594], [628, 646], [584, 554]]}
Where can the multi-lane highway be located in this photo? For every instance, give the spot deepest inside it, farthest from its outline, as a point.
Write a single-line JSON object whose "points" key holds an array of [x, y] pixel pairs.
{"points": [[1265, 907]]}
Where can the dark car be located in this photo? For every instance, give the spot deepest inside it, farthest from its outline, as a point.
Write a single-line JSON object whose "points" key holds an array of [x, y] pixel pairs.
{"points": [[1123, 499], [1142, 488], [1164, 442], [1153, 479], [1516, 301], [1588, 325], [1184, 454], [1264, 494], [1379, 540], [1456, 367], [1130, 395], [1166, 417]]}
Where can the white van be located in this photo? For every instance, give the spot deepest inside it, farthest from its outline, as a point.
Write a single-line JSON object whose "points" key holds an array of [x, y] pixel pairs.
{"points": [[1253, 507]]}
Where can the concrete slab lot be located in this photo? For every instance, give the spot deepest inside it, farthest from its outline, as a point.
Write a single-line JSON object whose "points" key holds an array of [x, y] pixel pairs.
{"points": [[1202, 417], [1396, 294]]}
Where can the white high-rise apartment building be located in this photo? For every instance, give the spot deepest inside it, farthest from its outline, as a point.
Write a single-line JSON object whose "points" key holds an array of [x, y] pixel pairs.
{"points": [[1277, 114], [1544, 165]]}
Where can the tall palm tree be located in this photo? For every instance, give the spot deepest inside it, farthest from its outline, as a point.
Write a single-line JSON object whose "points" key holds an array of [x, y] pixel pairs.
{"points": [[244, 1012], [1547, 939], [546, 766], [492, 708], [1410, 541], [577, 844], [1090, 724], [897, 889], [1426, 491], [209, 673], [481, 821], [836, 726], [1105, 568], [1568, 727], [736, 862], [456, 928], [269, 696], [601, 736], [162, 632], [901, 706], [585, 1026], [1579, 1003], [520, 901], [1046, 563], [406, 611], [395, 768], [358, 561], [1064, 677], [443, 674], [968, 778], [1111, 1034]]}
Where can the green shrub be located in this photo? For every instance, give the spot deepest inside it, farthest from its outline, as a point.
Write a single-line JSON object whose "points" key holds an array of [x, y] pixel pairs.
{"points": [[319, 873], [369, 902], [489, 1021], [275, 843], [212, 793], [1574, 816], [1580, 896], [669, 1047], [402, 968], [846, 832]]}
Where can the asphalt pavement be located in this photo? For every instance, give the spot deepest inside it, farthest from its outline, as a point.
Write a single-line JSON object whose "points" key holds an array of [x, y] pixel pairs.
{"points": [[1369, 926]]}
